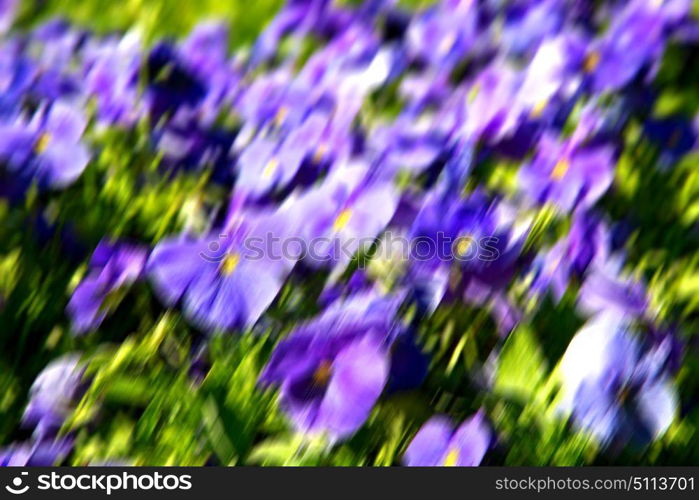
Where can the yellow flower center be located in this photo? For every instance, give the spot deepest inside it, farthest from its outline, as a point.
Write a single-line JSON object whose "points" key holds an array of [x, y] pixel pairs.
{"points": [[473, 92], [463, 245], [230, 263], [538, 108], [320, 152], [560, 169], [342, 220], [281, 115], [322, 374], [591, 61], [270, 168], [452, 458], [42, 143]]}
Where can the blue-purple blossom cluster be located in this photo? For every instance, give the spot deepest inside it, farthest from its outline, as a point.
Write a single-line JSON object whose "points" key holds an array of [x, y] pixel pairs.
{"points": [[52, 397], [339, 125]]}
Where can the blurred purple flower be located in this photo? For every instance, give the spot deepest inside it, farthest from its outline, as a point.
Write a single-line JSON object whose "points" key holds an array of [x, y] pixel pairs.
{"points": [[468, 232], [222, 282], [333, 369], [443, 35], [53, 395], [488, 103], [172, 85], [344, 214], [8, 8], [438, 444], [551, 75], [613, 387], [635, 37], [606, 289], [112, 266], [408, 145], [48, 148], [297, 17], [270, 163], [189, 144], [329, 384], [111, 75], [586, 242], [205, 54], [567, 174], [42, 453], [527, 24]]}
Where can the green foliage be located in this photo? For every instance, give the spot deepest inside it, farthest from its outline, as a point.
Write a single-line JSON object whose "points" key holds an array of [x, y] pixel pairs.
{"points": [[147, 406], [155, 18]]}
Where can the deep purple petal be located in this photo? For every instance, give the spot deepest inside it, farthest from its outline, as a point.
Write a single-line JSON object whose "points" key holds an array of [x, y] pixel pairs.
{"points": [[359, 374]]}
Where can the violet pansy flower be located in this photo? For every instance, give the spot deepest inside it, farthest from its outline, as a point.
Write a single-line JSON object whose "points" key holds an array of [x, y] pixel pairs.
{"points": [[443, 34], [344, 215], [613, 387], [53, 394], [47, 149], [112, 266], [527, 24], [438, 444], [329, 383], [111, 76], [223, 280], [606, 289], [568, 174], [585, 244], [332, 369]]}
